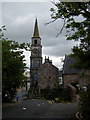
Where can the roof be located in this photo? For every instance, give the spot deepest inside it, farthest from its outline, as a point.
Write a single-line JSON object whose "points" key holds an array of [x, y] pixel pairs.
{"points": [[48, 63], [68, 65], [36, 31]]}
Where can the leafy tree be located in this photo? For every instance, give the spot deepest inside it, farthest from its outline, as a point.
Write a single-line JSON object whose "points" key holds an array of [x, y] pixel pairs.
{"points": [[77, 30], [13, 67], [58, 93], [85, 103], [1, 32]]}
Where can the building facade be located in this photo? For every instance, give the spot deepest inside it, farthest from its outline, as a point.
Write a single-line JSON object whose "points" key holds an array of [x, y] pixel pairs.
{"points": [[36, 55], [48, 75], [70, 74]]}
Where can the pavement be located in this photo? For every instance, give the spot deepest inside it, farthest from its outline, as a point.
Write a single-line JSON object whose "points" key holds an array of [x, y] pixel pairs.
{"points": [[39, 109]]}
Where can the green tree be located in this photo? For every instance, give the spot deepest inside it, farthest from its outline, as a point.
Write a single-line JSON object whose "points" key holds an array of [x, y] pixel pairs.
{"points": [[13, 67], [77, 30], [2, 32], [85, 103]]}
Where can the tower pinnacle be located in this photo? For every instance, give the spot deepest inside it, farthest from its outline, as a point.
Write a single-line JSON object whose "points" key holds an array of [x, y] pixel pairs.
{"points": [[36, 31]]}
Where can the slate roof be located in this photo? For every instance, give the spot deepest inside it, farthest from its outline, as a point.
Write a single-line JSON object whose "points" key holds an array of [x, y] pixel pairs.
{"points": [[68, 66]]}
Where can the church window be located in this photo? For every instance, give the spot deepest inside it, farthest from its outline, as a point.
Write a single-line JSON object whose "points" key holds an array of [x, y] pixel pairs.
{"points": [[35, 42]]}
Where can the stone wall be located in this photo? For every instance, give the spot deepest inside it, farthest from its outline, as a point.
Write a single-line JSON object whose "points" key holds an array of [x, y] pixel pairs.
{"points": [[48, 75], [69, 79]]}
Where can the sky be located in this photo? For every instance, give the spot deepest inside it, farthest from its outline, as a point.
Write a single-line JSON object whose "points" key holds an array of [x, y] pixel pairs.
{"points": [[19, 18]]}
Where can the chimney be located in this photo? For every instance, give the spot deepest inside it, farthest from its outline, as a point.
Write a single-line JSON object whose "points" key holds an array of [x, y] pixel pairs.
{"points": [[46, 59], [50, 61]]}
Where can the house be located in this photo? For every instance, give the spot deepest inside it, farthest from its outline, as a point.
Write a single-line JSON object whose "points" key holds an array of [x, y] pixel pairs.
{"points": [[70, 74], [48, 74]]}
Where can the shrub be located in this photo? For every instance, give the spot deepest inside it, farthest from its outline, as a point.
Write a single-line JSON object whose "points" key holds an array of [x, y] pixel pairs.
{"points": [[84, 103], [66, 94], [58, 93], [58, 100]]}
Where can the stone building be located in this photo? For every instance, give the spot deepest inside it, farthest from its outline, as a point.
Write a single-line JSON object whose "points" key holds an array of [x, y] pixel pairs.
{"points": [[70, 74], [42, 75], [48, 74], [36, 55]]}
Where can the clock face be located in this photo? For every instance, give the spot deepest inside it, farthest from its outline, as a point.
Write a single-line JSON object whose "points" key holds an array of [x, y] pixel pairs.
{"points": [[35, 51]]}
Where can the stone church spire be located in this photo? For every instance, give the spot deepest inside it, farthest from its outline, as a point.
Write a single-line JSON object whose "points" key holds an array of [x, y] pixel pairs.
{"points": [[36, 31], [36, 55]]}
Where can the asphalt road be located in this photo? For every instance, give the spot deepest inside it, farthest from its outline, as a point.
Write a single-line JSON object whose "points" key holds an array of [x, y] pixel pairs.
{"points": [[39, 109]]}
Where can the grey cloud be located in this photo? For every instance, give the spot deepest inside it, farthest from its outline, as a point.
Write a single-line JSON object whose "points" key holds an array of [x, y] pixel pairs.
{"points": [[19, 19], [59, 50]]}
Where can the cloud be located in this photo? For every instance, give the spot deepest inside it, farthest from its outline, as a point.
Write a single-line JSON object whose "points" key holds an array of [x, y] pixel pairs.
{"points": [[25, 0], [27, 57], [58, 50], [19, 18], [57, 61]]}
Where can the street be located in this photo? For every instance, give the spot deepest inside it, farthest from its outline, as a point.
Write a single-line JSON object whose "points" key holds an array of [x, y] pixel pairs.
{"points": [[39, 109]]}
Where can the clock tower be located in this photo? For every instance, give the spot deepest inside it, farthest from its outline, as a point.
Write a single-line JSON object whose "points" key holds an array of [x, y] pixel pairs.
{"points": [[36, 55]]}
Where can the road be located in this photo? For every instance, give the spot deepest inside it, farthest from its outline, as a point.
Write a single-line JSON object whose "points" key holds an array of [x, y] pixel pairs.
{"points": [[40, 109]]}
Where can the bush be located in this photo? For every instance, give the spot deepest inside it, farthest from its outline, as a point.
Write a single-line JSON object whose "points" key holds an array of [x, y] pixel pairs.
{"points": [[57, 94], [47, 93], [66, 94], [58, 100], [84, 103]]}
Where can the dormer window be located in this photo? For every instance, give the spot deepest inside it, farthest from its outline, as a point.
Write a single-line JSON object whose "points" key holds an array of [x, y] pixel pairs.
{"points": [[35, 42]]}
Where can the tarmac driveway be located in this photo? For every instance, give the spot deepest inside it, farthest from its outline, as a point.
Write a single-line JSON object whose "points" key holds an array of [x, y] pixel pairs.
{"points": [[39, 109]]}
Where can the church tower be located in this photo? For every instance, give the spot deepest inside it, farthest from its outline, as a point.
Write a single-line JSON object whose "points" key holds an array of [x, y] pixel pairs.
{"points": [[36, 55]]}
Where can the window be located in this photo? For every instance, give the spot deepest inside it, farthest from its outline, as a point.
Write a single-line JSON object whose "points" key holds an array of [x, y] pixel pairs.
{"points": [[36, 76], [36, 63], [35, 42], [49, 77]]}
